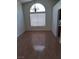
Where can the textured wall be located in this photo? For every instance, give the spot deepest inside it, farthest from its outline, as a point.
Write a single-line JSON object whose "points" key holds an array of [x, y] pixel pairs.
{"points": [[20, 19], [54, 19]]}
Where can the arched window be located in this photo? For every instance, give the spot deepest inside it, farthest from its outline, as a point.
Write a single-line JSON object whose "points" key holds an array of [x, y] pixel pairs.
{"points": [[37, 15], [37, 7]]}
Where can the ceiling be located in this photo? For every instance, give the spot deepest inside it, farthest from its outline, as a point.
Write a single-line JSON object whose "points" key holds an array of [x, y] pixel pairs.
{"points": [[23, 1]]}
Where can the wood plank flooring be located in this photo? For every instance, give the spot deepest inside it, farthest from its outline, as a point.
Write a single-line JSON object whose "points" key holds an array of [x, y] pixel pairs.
{"points": [[26, 42]]}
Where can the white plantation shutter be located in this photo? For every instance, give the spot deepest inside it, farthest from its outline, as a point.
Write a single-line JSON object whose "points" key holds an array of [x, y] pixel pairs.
{"points": [[37, 19]]}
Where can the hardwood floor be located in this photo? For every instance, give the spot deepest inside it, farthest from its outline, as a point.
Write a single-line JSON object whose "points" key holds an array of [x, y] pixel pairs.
{"points": [[50, 48]]}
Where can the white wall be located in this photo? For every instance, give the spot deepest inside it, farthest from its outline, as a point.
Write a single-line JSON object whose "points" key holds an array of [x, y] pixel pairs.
{"points": [[54, 19], [20, 19]]}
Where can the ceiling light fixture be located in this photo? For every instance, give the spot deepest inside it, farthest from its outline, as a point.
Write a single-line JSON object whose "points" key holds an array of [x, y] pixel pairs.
{"points": [[35, 7]]}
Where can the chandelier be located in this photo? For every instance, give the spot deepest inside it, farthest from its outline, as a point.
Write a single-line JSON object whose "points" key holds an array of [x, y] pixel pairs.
{"points": [[35, 6]]}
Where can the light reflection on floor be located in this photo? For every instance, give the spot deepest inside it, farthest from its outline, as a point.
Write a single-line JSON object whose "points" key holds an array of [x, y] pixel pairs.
{"points": [[38, 42]]}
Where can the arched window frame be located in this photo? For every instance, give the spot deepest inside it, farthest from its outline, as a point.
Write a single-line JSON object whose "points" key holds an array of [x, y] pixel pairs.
{"points": [[42, 11], [42, 16]]}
